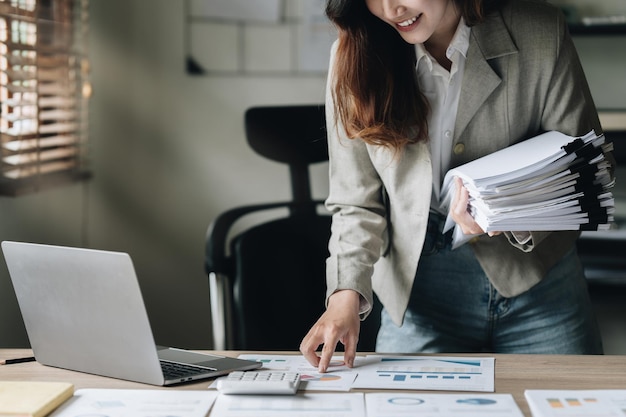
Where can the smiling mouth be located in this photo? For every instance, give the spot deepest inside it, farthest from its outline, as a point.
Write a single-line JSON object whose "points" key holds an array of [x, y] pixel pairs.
{"points": [[409, 22]]}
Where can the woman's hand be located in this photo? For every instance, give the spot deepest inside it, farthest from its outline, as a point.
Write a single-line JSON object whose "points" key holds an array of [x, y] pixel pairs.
{"points": [[460, 214], [339, 323]]}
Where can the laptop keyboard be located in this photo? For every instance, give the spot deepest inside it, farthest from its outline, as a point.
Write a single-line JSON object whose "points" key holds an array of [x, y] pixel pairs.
{"points": [[173, 370]]}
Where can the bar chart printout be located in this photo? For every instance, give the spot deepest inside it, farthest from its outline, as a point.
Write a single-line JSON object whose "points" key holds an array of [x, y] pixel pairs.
{"points": [[577, 403], [428, 373]]}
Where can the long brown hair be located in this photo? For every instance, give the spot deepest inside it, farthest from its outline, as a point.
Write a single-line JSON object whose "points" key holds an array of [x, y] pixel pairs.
{"points": [[375, 87]]}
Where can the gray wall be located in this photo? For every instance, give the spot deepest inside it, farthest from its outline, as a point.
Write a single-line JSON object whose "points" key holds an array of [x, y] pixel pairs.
{"points": [[594, 8], [168, 154]]}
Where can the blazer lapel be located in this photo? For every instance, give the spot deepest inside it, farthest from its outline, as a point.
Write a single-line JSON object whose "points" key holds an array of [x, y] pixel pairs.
{"points": [[487, 41]]}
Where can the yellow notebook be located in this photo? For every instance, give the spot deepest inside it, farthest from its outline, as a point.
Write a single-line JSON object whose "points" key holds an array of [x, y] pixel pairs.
{"points": [[32, 398]]}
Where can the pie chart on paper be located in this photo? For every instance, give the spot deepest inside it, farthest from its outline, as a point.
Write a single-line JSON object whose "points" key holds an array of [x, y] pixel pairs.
{"points": [[320, 378]]}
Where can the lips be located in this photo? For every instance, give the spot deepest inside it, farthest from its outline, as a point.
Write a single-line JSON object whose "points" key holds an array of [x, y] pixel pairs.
{"points": [[409, 23]]}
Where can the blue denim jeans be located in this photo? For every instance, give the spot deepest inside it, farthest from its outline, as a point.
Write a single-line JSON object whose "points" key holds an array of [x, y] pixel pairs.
{"points": [[454, 308]]}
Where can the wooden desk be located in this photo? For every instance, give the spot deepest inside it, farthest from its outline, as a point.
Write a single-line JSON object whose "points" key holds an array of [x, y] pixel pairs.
{"points": [[514, 373]]}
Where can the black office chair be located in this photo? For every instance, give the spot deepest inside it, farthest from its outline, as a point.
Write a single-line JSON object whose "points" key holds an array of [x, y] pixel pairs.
{"points": [[268, 283]]}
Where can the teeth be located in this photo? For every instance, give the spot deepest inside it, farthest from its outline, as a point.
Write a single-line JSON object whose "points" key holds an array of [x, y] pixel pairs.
{"points": [[407, 22]]}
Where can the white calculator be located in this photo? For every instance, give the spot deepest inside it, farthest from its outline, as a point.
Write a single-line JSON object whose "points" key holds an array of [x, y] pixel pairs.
{"points": [[259, 382]]}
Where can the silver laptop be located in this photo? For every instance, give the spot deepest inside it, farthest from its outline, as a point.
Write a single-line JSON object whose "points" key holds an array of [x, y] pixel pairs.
{"points": [[83, 311]]}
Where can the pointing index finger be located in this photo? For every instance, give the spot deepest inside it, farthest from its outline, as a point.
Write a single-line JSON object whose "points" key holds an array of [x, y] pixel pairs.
{"points": [[327, 354]]}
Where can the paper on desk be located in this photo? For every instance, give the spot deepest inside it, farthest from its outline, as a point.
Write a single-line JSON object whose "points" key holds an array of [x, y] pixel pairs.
{"points": [[137, 403], [576, 403], [444, 405], [338, 378], [299, 405], [389, 372], [427, 373]]}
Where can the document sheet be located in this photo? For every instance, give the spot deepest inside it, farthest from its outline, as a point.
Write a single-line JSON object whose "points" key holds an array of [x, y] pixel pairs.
{"points": [[137, 403], [444, 405], [576, 403], [339, 377], [442, 373], [370, 405], [300, 405], [446, 373]]}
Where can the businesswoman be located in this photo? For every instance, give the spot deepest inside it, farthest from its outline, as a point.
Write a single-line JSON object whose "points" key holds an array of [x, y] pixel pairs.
{"points": [[416, 87]]}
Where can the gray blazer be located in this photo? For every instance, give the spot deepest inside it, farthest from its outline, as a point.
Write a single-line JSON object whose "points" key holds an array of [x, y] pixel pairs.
{"points": [[522, 77]]}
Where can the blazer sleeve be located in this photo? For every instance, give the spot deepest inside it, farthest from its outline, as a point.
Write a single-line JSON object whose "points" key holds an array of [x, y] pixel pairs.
{"points": [[358, 211]]}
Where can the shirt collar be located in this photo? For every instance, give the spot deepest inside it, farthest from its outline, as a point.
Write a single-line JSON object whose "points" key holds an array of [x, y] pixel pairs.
{"points": [[460, 43]]}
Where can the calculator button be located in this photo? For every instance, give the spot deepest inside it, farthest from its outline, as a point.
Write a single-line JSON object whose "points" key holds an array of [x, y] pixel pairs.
{"points": [[259, 382]]}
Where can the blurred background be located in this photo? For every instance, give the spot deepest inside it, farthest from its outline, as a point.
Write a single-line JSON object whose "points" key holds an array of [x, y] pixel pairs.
{"points": [[171, 81]]}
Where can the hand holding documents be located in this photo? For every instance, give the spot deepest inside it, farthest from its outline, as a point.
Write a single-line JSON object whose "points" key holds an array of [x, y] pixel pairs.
{"points": [[547, 183]]}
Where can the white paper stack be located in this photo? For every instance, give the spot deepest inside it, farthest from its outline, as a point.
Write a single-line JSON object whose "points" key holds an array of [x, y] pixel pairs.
{"points": [[547, 183]]}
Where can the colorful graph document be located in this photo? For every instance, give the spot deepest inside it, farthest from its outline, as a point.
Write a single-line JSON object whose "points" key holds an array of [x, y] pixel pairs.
{"points": [[300, 405], [576, 403], [427, 373], [443, 373], [136, 403], [439, 405]]}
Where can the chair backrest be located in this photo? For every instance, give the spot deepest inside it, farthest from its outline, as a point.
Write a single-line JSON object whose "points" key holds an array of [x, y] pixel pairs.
{"points": [[294, 135], [268, 282], [273, 273]]}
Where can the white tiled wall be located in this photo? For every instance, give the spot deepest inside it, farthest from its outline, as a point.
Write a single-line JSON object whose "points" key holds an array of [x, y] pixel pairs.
{"points": [[253, 46]]}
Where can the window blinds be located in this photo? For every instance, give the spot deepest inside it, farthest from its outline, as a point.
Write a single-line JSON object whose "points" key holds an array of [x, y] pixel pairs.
{"points": [[44, 93]]}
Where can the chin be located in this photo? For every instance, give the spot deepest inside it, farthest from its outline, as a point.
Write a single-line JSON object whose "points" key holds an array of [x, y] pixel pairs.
{"points": [[412, 39]]}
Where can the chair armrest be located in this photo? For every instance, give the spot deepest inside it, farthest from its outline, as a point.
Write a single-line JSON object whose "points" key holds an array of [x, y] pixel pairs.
{"points": [[219, 267], [217, 233]]}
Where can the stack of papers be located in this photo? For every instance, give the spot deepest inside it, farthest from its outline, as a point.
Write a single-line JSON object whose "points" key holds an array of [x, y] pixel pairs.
{"points": [[547, 183]]}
